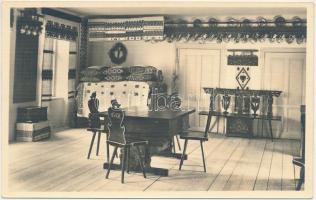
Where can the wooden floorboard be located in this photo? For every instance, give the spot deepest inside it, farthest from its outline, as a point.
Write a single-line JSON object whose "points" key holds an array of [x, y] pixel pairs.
{"points": [[243, 176], [192, 170], [223, 176], [288, 173], [55, 142], [275, 175], [261, 182], [61, 164], [250, 165]]}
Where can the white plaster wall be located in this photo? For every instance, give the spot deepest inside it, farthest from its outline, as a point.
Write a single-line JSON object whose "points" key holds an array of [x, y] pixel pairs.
{"points": [[163, 56], [55, 107], [14, 106]]}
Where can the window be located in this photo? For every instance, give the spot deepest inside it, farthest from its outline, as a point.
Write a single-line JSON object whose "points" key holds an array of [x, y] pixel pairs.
{"points": [[59, 69]]}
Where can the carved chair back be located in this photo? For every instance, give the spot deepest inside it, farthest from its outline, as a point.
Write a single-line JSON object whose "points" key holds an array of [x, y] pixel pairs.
{"points": [[94, 119], [116, 125]]}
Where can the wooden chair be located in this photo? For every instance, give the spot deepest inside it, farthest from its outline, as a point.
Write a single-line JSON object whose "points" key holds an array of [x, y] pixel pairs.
{"points": [[202, 137], [118, 140], [300, 161], [96, 128], [95, 125]]}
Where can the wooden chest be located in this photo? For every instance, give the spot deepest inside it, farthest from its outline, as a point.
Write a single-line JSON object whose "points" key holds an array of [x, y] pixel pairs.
{"points": [[32, 114]]}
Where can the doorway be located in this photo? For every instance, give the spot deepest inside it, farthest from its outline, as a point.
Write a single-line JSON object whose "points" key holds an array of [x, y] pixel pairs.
{"points": [[286, 72], [198, 68]]}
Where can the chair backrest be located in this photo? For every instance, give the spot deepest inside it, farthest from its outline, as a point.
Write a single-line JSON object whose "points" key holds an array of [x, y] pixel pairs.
{"points": [[303, 131], [94, 119], [93, 105], [116, 125]]}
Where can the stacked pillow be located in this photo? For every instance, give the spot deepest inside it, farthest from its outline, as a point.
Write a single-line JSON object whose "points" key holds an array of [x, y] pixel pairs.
{"points": [[115, 73], [92, 74], [142, 73], [119, 73]]}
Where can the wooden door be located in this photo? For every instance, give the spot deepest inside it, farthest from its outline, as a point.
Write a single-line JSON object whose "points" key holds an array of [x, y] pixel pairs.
{"points": [[198, 68], [286, 72]]}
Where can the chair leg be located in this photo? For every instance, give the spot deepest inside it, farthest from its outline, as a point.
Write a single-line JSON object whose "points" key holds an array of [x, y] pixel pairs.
{"points": [[270, 126], [178, 142], [147, 154], [98, 144], [91, 144], [140, 160], [184, 149], [128, 158], [294, 175], [201, 142], [111, 162], [107, 152], [301, 180], [124, 156]]}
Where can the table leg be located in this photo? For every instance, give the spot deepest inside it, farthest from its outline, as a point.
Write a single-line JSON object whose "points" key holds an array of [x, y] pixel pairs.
{"points": [[262, 127], [171, 153], [217, 124]]}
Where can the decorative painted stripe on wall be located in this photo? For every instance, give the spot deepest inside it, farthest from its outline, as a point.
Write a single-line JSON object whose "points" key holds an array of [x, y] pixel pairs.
{"points": [[71, 74], [47, 74], [48, 51]]}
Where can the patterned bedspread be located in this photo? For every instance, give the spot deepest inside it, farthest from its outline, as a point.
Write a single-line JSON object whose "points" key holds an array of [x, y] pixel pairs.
{"points": [[127, 93]]}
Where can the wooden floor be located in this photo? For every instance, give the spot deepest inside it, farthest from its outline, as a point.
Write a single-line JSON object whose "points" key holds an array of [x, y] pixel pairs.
{"points": [[60, 164]]}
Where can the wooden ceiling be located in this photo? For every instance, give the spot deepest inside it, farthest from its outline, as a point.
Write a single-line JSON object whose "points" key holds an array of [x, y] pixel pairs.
{"points": [[186, 9]]}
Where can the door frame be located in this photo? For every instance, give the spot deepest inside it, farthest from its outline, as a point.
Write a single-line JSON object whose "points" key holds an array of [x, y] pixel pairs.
{"points": [[216, 47], [263, 52]]}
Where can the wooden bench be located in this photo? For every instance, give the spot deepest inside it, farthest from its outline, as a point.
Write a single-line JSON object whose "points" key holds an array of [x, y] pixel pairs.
{"points": [[243, 104]]}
